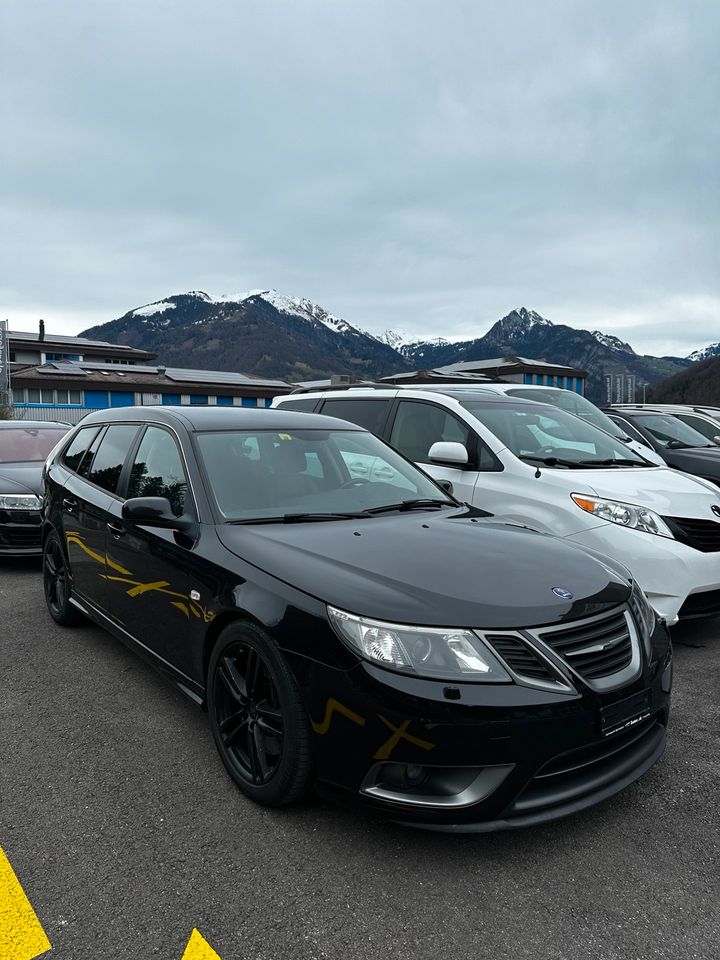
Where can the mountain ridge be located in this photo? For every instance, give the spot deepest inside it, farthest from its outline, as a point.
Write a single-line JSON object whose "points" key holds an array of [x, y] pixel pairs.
{"points": [[270, 334]]}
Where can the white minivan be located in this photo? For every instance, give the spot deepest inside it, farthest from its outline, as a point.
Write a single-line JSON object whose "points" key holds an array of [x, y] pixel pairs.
{"points": [[538, 465]]}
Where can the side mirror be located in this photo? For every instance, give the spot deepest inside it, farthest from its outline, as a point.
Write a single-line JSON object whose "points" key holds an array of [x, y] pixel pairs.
{"points": [[154, 512], [716, 439], [452, 454]]}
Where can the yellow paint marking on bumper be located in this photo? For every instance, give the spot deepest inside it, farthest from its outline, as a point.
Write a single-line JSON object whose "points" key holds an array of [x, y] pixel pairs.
{"points": [[199, 949], [21, 934]]}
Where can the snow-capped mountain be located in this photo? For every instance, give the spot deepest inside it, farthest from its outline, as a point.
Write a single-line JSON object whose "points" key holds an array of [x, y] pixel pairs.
{"points": [[256, 331], [611, 342], [712, 350]]}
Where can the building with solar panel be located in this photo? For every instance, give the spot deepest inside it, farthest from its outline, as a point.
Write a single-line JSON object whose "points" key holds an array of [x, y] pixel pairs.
{"points": [[63, 378]]}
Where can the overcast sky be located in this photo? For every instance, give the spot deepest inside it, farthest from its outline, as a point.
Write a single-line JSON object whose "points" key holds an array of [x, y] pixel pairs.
{"points": [[418, 165]]}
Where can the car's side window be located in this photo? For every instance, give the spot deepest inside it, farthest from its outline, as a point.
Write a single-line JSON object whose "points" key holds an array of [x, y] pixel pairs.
{"points": [[157, 470], [307, 405], [370, 413], [419, 425], [79, 446], [111, 454]]}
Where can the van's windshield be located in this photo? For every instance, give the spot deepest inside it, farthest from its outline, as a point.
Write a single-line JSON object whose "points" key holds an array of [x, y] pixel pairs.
{"points": [[546, 435], [573, 403]]}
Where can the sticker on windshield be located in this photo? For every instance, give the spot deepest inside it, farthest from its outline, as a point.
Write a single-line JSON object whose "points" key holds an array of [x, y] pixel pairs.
{"points": [[284, 436]]}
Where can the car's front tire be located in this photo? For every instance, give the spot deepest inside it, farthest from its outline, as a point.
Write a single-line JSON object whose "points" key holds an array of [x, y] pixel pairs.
{"points": [[56, 583], [258, 718]]}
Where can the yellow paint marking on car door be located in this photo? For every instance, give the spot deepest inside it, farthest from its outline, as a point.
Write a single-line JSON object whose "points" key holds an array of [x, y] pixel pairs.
{"points": [[199, 949], [21, 934]]}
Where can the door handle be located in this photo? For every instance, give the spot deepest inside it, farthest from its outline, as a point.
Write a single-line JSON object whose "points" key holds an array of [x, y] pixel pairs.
{"points": [[69, 504], [116, 531]]}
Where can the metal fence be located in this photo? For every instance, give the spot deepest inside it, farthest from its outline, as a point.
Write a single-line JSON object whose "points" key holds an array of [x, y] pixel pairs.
{"points": [[71, 415]]}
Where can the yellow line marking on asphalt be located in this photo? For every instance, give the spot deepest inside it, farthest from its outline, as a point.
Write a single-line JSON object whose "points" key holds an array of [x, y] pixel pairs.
{"points": [[199, 949], [21, 934]]}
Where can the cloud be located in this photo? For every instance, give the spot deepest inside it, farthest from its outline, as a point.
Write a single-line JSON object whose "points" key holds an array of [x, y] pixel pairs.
{"points": [[411, 165]]}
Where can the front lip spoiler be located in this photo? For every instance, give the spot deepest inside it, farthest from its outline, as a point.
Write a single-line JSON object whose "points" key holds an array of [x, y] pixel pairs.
{"points": [[556, 812]]}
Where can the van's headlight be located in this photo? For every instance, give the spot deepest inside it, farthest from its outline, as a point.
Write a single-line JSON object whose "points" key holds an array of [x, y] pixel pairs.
{"points": [[445, 653], [19, 501], [626, 514]]}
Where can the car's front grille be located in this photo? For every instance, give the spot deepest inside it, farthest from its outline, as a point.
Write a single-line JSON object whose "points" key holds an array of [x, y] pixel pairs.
{"points": [[703, 535], [571, 777], [595, 648], [21, 537], [518, 656]]}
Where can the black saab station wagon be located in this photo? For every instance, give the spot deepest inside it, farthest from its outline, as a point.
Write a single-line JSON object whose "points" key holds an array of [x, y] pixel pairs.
{"points": [[346, 622]]}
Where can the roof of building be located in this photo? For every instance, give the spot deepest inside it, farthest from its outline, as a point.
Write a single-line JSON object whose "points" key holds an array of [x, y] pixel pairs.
{"points": [[65, 340], [80, 373], [509, 360]]}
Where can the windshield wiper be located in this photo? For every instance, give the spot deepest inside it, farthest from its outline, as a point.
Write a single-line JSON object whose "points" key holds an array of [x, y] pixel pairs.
{"points": [[554, 461], [611, 461], [300, 517], [421, 504]]}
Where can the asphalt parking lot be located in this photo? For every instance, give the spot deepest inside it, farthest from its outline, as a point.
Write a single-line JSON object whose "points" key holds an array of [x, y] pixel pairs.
{"points": [[126, 832]]}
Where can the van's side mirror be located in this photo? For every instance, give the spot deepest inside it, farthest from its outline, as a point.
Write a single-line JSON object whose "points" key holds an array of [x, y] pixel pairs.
{"points": [[450, 453], [154, 512]]}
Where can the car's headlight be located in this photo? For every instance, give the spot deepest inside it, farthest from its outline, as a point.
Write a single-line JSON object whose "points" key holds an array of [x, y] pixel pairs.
{"points": [[443, 653], [19, 501], [626, 514]]}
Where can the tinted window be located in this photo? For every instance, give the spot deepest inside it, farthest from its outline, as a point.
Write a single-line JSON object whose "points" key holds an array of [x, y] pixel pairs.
{"points": [[671, 432], [157, 470], [28, 444], [108, 462], [365, 413], [707, 428], [419, 425], [307, 405], [78, 446]]}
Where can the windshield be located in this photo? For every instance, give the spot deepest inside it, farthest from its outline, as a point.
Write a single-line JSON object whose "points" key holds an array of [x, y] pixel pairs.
{"points": [[28, 444], [671, 432], [266, 474], [545, 434], [573, 403]]}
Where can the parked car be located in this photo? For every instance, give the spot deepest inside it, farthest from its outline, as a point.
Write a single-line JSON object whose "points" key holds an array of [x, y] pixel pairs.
{"points": [[366, 632], [572, 403], [24, 445], [706, 420], [540, 466], [681, 446]]}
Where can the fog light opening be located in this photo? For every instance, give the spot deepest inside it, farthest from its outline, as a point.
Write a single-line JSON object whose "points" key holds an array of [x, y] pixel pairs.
{"points": [[426, 786]]}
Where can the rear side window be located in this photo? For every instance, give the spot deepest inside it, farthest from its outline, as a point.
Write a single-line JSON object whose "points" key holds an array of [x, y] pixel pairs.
{"points": [[108, 462], [370, 414], [158, 470], [419, 425], [305, 405], [79, 446]]}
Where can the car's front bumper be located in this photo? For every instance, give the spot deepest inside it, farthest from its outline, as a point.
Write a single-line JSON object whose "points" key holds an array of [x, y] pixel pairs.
{"points": [[544, 751], [668, 571], [20, 533]]}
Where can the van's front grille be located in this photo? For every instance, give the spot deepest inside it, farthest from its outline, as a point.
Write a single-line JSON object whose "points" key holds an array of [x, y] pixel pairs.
{"points": [[703, 535], [596, 648]]}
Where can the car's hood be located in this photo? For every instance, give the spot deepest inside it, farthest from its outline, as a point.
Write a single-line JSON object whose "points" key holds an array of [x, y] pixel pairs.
{"points": [[705, 461], [424, 568], [668, 492], [21, 478]]}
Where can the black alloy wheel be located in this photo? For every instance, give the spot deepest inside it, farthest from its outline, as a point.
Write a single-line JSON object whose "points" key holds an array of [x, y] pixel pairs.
{"points": [[56, 582], [258, 718]]}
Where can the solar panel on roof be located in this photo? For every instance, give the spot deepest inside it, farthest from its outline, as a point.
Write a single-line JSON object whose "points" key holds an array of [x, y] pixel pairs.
{"points": [[216, 376], [66, 369]]}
